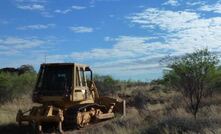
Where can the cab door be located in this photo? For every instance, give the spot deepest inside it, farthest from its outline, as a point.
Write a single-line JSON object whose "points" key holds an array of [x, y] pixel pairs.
{"points": [[81, 88]]}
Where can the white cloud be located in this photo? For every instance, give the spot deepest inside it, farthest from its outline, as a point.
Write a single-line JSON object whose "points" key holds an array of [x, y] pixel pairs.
{"points": [[176, 33], [152, 18], [62, 11], [127, 52], [16, 43], [36, 27], [196, 3], [184, 32], [31, 1], [189, 32], [81, 29], [78, 7], [214, 7], [34, 5], [108, 38], [125, 47], [129, 55], [171, 2], [69, 9], [31, 7]]}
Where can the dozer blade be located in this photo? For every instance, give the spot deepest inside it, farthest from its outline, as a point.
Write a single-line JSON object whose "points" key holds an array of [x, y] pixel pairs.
{"points": [[119, 105], [105, 116], [42, 114]]}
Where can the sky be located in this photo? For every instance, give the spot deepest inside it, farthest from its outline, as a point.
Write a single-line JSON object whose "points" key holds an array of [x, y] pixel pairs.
{"points": [[122, 38]]}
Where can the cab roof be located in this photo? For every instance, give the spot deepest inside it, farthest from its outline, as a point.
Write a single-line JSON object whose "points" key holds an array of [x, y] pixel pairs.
{"points": [[64, 64]]}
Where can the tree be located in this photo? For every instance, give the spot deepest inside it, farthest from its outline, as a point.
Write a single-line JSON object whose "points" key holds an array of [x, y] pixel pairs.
{"points": [[26, 68], [216, 80], [192, 75]]}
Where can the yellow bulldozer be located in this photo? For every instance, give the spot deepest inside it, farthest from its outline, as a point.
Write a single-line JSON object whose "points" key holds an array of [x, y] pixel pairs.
{"points": [[68, 96]]}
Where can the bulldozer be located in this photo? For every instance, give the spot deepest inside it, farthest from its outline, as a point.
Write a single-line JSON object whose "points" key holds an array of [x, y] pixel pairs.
{"points": [[67, 96]]}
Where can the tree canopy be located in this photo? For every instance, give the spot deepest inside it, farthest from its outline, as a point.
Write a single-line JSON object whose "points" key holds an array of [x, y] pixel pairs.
{"points": [[193, 74]]}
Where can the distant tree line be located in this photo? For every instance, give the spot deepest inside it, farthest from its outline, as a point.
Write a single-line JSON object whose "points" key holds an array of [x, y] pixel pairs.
{"points": [[21, 70]]}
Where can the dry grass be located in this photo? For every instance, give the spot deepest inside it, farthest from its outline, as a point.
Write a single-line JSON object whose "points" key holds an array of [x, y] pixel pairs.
{"points": [[165, 113], [9, 110], [121, 125], [162, 112]]}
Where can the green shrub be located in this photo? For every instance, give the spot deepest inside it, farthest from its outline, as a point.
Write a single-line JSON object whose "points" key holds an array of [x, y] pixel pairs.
{"points": [[192, 74], [106, 84], [13, 85]]}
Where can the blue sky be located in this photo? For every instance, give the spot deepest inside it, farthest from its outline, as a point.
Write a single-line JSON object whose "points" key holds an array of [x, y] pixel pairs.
{"points": [[122, 38]]}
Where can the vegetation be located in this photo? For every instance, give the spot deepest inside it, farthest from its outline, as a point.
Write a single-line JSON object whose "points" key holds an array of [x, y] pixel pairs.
{"points": [[13, 85], [106, 84], [192, 74], [157, 107]]}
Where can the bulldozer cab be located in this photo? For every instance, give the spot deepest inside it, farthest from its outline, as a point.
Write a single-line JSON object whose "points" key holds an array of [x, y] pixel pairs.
{"points": [[63, 84], [82, 83]]}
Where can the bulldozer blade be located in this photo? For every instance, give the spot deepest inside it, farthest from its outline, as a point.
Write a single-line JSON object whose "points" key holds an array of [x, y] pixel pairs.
{"points": [[60, 128], [119, 107]]}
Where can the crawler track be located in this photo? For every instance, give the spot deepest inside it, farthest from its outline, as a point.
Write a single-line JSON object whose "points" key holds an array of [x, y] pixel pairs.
{"points": [[88, 127]]}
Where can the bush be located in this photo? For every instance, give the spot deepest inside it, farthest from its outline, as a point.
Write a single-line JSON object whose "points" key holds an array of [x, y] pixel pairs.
{"points": [[13, 85], [179, 125], [106, 84], [26, 68], [192, 74], [139, 99]]}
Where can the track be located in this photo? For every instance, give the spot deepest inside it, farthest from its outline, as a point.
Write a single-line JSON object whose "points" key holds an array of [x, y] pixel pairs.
{"points": [[88, 127]]}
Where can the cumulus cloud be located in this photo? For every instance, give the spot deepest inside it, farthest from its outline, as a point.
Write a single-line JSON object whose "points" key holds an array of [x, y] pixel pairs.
{"points": [[214, 7], [16, 43], [74, 7], [36, 27], [31, 7], [185, 31], [129, 57], [108, 38], [164, 19], [190, 32], [171, 2], [125, 47], [196, 3], [34, 5], [81, 29], [127, 53], [62, 11]]}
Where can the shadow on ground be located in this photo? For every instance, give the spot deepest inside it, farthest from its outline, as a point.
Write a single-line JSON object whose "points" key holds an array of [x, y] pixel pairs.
{"points": [[14, 129], [26, 129]]}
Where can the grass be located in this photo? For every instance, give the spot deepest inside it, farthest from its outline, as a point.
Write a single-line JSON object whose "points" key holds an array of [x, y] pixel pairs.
{"points": [[164, 112], [9, 109], [151, 109]]}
